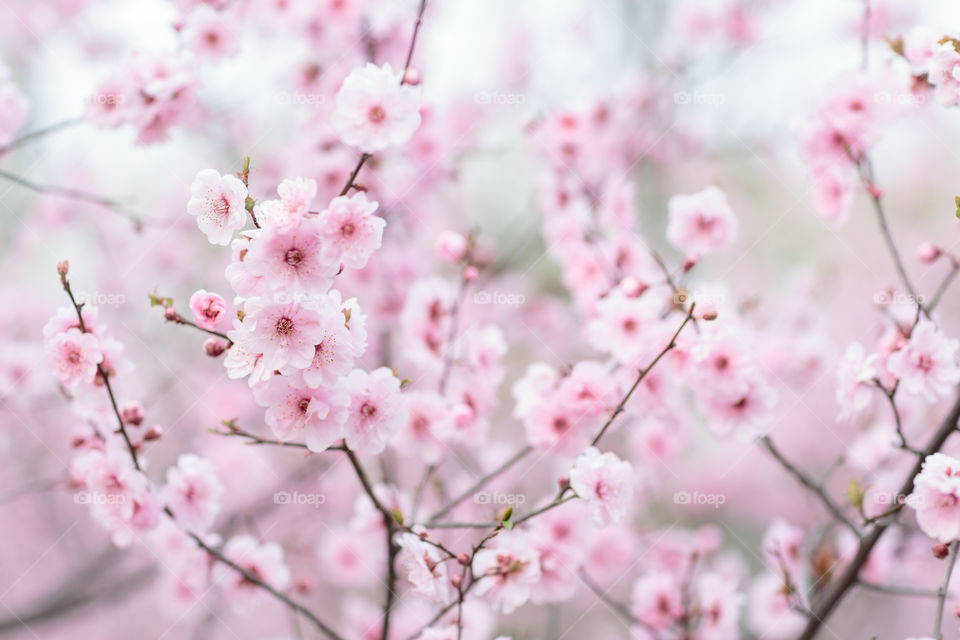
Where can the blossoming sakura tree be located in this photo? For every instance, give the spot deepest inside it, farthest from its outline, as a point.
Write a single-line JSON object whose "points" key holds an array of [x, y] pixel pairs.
{"points": [[317, 384]]}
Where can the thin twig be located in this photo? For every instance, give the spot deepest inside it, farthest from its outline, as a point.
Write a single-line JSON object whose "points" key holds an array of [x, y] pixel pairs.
{"points": [[39, 133], [74, 194], [814, 487], [942, 591]]}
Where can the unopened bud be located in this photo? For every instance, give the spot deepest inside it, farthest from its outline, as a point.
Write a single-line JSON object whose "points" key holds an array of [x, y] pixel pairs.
{"points": [[63, 267], [452, 246], [709, 315], [689, 262], [303, 585], [928, 252], [132, 413], [941, 550], [171, 314], [423, 535], [214, 347], [456, 580], [463, 559], [563, 483], [470, 273], [411, 76], [153, 433]]}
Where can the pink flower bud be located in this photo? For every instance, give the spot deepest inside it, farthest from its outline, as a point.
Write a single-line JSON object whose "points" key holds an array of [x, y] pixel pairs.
{"points": [[462, 415], [463, 559], [689, 262], [63, 267], [709, 316], [171, 314], [632, 287], [214, 347], [563, 483], [411, 76], [132, 413], [153, 433], [456, 580], [928, 252], [470, 273], [941, 550], [303, 585], [451, 246]]}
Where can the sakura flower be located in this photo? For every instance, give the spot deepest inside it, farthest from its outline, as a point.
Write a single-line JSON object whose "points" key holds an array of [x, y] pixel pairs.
{"points": [[945, 74], [193, 492], [782, 547], [210, 34], [720, 602], [373, 110], [605, 482], [74, 356], [219, 203], [264, 561], [927, 365], [377, 409], [430, 420], [284, 333], [425, 568], [209, 310], [318, 413], [334, 355], [936, 497], [349, 226], [771, 612], [286, 213], [295, 261], [657, 600], [510, 567], [919, 44], [747, 413], [701, 222], [855, 374]]}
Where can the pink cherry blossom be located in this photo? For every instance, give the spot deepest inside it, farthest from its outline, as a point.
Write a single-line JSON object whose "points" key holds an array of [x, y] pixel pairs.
{"points": [[374, 111], [74, 357], [605, 482], [936, 497], [944, 74], [285, 214], [349, 226], [211, 34], [511, 567], [855, 374], [656, 600], [296, 261], [927, 365], [284, 333], [193, 492], [218, 202], [318, 414], [265, 561], [701, 222], [209, 310], [425, 568], [377, 409]]}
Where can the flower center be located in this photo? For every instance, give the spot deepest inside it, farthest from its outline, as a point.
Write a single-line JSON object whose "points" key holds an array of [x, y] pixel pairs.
{"points": [[376, 114], [284, 326], [368, 410], [293, 257], [347, 230]]}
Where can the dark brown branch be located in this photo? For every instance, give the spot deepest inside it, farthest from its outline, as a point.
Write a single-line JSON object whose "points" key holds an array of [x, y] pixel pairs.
{"points": [[838, 589]]}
